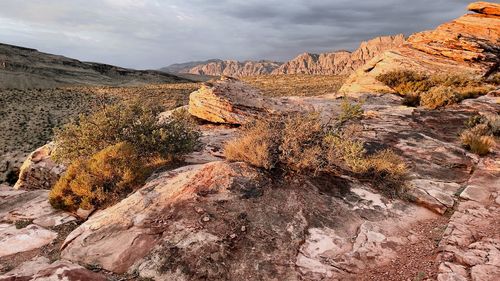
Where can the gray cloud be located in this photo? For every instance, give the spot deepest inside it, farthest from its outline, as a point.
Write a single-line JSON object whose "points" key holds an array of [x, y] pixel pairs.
{"points": [[155, 33]]}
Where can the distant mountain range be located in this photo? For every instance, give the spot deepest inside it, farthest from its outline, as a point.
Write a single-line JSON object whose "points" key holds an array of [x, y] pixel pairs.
{"points": [[22, 68], [333, 63]]}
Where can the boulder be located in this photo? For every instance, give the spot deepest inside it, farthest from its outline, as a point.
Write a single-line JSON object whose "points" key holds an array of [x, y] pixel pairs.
{"points": [[233, 102], [468, 44], [228, 101], [39, 171]]}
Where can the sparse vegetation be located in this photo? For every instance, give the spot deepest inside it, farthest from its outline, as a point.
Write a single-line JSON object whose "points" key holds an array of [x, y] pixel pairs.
{"points": [[106, 177], [23, 223], [133, 123], [113, 151], [434, 90], [300, 143], [296, 84], [27, 117], [479, 137]]}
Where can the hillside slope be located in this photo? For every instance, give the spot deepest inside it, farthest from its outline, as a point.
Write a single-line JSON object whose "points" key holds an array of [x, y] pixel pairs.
{"points": [[23, 68]]}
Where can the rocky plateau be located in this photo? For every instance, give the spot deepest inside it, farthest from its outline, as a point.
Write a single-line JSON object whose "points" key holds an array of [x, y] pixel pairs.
{"points": [[213, 219]]}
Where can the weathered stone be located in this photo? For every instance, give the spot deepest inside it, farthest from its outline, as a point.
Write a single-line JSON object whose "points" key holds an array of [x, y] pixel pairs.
{"points": [[41, 270], [227, 101], [125, 232], [476, 193], [13, 240], [39, 171], [230, 101], [22, 205]]}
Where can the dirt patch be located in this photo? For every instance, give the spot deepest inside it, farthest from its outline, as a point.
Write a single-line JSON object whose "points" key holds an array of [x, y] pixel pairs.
{"points": [[415, 261]]}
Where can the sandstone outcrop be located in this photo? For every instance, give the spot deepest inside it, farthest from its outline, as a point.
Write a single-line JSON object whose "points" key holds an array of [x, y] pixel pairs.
{"points": [[333, 63], [341, 62], [234, 68], [469, 44], [228, 101], [39, 171], [485, 8], [231, 221], [231, 101]]}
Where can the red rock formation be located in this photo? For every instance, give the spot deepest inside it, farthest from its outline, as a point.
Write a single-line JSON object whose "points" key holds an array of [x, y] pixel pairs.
{"points": [[469, 44], [234, 68], [341, 62]]}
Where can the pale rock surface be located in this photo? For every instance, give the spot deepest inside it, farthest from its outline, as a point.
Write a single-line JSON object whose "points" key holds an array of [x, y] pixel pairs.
{"points": [[13, 240], [227, 221], [22, 205], [40, 269]]}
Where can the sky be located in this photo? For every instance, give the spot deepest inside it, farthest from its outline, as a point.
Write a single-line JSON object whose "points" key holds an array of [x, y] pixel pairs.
{"points": [[149, 34]]}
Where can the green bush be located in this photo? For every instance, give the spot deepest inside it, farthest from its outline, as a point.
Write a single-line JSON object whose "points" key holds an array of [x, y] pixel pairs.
{"points": [[102, 180], [132, 123], [113, 151]]}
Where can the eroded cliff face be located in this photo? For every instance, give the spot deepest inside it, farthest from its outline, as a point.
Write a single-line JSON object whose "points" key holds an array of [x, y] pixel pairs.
{"points": [[235, 68], [334, 63], [469, 44], [341, 62]]}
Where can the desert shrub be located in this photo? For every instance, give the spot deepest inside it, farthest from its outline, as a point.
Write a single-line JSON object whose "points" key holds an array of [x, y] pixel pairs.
{"points": [[400, 77], [480, 135], [349, 111], [300, 143], [133, 123], [433, 90], [257, 144], [387, 170], [106, 177], [438, 97]]}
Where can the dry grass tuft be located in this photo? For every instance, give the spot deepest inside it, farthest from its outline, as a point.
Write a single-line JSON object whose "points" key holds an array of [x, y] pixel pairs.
{"points": [[434, 90], [302, 144]]}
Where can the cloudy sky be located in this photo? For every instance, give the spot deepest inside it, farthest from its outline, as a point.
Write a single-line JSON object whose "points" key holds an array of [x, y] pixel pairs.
{"points": [[154, 33]]}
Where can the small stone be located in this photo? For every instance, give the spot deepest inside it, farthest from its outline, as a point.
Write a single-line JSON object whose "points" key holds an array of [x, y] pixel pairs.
{"points": [[199, 210], [243, 228], [206, 218], [232, 236]]}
